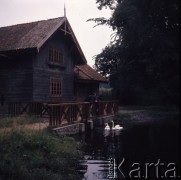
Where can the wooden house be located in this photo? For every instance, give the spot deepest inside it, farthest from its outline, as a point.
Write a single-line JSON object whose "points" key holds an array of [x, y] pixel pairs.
{"points": [[43, 62]]}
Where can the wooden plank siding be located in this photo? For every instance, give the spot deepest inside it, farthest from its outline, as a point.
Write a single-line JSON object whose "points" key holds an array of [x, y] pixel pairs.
{"points": [[41, 83], [16, 79], [44, 71]]}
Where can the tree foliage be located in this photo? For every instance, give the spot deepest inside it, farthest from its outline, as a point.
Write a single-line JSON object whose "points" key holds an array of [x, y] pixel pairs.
{"points": [[142, 58]]}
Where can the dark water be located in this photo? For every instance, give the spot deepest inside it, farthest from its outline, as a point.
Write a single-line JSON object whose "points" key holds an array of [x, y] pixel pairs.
{"points": [[146, 151]]}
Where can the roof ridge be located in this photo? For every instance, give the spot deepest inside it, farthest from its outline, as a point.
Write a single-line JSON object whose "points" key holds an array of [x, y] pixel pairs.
{"points": [[29, 22], [35, 34]]}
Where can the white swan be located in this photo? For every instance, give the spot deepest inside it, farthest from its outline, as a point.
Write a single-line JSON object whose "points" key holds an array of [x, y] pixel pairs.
{"points": [[107, 127], [117, 127]]}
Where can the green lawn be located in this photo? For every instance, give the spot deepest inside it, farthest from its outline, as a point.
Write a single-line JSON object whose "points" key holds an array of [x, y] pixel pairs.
{"points": [[38, 155]]}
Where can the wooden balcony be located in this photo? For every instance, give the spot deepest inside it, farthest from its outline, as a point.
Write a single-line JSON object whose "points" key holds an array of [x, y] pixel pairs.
{"points": [[65, 113], [68, 113]]}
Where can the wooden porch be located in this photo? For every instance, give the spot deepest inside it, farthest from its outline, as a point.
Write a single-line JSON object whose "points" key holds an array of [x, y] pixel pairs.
{"points": [[65, 113]]}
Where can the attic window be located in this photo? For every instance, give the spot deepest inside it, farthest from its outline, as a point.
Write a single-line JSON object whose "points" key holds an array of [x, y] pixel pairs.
{"points": [[56, 86], [56, 56]]}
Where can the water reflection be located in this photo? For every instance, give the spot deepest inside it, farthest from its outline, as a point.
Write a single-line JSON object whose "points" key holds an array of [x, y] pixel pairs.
{"points": [[140, 144], [95, 169], [102, 145]]}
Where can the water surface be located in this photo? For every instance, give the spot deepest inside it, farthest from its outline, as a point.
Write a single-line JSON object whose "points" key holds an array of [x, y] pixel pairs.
{"points": [[147, 150]]}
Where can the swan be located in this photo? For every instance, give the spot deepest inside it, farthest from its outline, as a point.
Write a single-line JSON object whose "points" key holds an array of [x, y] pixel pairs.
{"points": [[117, 127], [106, 133], [107, 127]]}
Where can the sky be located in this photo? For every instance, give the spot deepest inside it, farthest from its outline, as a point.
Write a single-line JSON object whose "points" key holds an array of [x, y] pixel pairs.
{"points": [[92, 40]]}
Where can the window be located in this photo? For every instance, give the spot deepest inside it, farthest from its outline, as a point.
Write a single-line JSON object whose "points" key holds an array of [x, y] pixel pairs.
{"points": [[56, 86], [56, 56]]}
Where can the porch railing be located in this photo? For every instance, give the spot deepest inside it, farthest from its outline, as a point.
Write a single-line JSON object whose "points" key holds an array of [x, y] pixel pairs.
{"points": [[68, 113], [65, 113], [32, 108]]}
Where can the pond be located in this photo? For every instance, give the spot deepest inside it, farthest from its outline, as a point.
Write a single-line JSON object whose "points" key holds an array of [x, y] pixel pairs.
{"points": [[146, 151]]}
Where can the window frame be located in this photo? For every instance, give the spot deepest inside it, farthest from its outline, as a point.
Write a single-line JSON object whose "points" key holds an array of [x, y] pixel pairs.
{"points": [[56, 56], [56, 87]]}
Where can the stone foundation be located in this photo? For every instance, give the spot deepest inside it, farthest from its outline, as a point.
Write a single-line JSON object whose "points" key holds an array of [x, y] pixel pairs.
{"points": [[70, 129], [81, 127]]}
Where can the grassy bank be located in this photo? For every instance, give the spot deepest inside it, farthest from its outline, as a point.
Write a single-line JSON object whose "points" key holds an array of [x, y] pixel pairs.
{"points": [[19, 120], [37, 155]]}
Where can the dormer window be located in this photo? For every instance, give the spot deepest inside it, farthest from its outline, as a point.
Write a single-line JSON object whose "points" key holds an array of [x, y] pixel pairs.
{"points": [[56, 56]]}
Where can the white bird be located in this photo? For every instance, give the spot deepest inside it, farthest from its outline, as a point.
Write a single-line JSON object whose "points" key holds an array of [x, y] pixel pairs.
{"points": [[107, 127], [106, 133], [117, 127]]}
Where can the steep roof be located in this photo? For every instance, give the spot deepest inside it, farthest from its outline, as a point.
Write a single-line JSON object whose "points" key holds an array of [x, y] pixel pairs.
{"points": [[85, 72], [34, 35]]}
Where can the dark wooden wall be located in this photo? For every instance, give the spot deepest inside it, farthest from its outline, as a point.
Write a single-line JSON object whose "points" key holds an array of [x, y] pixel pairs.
{"points": [[43, 71], [26, 77], [16, 78]]}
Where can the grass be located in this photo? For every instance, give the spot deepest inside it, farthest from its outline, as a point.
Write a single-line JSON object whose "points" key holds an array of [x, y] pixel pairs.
{"points": [[19, 120], [39, 154]]}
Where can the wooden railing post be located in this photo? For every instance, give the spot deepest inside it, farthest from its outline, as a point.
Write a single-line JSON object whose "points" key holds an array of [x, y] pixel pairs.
{"points": [[35, 108], [14, 109], [80, 112], [85, 112]]}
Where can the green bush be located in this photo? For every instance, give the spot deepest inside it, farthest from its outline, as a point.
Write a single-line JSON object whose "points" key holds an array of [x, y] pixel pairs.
{"points": [[106, 93]]}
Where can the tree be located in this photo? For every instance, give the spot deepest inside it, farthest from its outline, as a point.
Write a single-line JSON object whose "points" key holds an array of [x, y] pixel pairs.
{"points": [[142, 59]]}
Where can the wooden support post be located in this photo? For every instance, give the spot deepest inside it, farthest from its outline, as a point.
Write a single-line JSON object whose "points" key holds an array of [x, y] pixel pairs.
{"points": [[90, 125], [81, 127]]}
